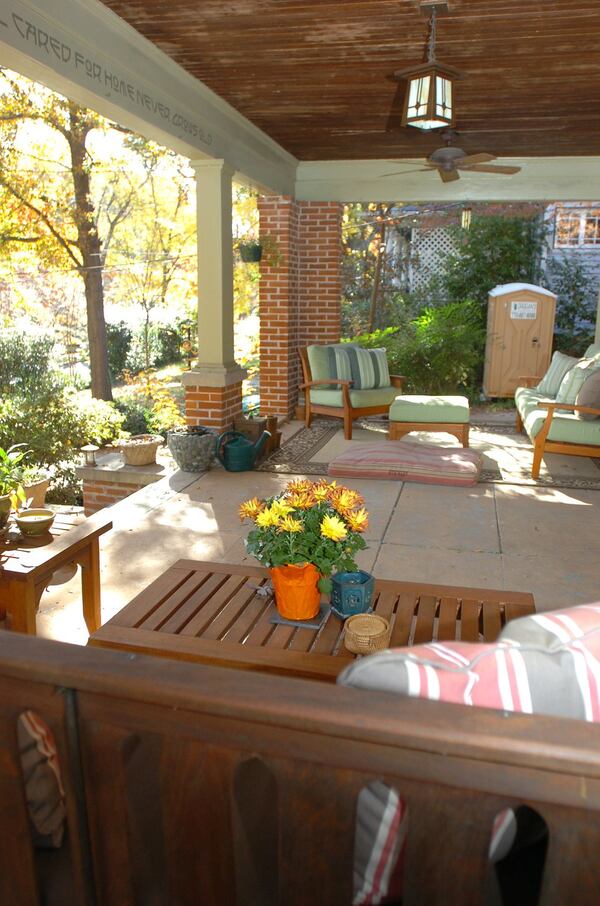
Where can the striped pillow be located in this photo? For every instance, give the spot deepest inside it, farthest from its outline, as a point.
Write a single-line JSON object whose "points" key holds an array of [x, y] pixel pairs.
{"points": [[368, 367], [559, 366], [546, 663]]}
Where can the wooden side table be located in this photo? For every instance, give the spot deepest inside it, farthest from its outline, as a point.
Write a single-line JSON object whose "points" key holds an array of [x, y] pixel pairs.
{"points": [[220, 613], [28, 564]]}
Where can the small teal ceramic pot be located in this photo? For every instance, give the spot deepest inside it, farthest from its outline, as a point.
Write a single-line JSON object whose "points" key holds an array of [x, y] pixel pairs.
{"points": [[352, 593]]}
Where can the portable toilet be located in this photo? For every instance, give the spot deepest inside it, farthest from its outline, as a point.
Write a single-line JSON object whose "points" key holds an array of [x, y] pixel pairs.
{"points": [[520, 329]]}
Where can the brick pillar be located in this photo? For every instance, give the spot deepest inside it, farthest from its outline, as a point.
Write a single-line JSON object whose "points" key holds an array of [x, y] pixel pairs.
{"points": [[320, 280], [279, 367], [214, 407], [300, 294]]}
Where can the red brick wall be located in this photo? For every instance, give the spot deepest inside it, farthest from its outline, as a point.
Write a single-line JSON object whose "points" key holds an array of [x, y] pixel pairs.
{"points": [[320, 282], [98, 494], [300, 295], [214, 407], [279, 366]]}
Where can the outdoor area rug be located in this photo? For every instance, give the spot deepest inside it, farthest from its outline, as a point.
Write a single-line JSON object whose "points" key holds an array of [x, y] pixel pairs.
{"points": [[507, 455]]}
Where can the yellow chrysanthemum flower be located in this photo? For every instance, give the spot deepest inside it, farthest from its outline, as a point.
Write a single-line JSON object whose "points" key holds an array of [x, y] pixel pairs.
{"points": [[250, 509], [359, 521], [281, 508], [333, 527], [289, 524], [267, 518]]}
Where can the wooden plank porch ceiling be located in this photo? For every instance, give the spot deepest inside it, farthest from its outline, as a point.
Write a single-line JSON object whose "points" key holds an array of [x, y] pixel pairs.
{"points": [[315, 75]]}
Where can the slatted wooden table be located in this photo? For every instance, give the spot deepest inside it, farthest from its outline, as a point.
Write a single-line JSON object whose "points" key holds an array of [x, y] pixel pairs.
{"points": [[218, 613], [27, 565]]}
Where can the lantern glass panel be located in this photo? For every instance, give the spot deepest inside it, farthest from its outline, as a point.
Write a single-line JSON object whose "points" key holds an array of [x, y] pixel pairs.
{"points": [[443, 98], [418, 97]]}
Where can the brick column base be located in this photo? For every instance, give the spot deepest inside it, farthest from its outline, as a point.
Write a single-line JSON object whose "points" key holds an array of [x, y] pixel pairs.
{"points": [[214, 407]]}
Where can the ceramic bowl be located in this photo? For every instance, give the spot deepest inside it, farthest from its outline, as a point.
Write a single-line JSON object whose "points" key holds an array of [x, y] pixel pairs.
{"points": [[34, 521]]}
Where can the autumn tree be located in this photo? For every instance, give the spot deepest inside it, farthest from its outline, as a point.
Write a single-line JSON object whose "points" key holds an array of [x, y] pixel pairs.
{"points": [[51, 202]]}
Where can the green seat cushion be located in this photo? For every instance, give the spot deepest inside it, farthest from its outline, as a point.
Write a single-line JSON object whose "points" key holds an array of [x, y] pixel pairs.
{"points": [[566, 426], [559, 366], [380, 396], [451, 410]]}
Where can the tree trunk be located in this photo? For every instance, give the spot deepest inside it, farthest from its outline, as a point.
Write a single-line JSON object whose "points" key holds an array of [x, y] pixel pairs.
{"points": [[90, 247]]}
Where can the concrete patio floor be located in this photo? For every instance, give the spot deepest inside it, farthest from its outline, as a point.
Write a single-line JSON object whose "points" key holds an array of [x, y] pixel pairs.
{"points": [[502, 536]]}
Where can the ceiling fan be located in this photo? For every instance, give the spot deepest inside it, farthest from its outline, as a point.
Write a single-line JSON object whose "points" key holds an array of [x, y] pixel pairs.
{"points": [[450, 159]]}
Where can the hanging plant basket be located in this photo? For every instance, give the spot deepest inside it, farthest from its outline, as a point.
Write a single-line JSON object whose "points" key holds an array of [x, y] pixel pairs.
{"points": [[250, 252]]}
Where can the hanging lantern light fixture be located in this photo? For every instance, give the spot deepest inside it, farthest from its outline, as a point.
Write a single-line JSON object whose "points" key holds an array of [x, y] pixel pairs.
{"points": [[429, 99]]}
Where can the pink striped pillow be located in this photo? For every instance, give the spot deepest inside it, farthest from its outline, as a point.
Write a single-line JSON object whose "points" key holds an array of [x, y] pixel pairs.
{"points": [[407, 461]]}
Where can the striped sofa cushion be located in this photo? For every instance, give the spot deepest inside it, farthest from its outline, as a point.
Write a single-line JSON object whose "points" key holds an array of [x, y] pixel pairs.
{"points": [[547, 663], [366, 368], [407, 461], [559, 366]]}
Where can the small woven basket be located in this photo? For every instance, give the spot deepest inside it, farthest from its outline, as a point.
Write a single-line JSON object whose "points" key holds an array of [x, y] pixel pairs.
{"points": [[140, 450], [366, 633]]}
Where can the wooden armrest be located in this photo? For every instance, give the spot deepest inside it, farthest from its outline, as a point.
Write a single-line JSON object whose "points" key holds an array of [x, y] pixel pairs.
{"points": [[397, 380], [552, 407], [529, 381], [328, 381]]}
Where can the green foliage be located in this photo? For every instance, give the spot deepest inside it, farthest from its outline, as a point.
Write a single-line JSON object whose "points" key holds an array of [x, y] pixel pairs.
{"points": [[45, 414], [119, 338], [11, 472], [493, 251], [575, 305], [136, 416], [441, 351]]}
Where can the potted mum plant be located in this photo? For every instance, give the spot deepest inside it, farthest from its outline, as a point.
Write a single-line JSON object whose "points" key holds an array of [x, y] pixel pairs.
{"points": [[303, 535]]}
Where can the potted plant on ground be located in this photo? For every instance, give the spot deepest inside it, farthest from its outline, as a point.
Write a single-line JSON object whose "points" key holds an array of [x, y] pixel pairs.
{"points": [[192, 447], [11, 490], [303, 535]]}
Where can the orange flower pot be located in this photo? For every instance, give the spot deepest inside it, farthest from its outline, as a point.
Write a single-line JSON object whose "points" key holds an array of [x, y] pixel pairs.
{"points": [[296, 593]]}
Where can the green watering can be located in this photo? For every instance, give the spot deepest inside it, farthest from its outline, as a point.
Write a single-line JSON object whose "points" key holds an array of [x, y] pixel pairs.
{"points": [[237, 453]]}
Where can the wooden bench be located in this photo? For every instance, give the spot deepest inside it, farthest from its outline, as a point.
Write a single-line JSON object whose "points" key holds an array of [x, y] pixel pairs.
{"points": [[188, 784]]}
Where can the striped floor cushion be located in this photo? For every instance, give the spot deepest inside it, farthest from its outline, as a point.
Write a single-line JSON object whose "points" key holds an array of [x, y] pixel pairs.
{"points": [[547, 663], [407, 461]]}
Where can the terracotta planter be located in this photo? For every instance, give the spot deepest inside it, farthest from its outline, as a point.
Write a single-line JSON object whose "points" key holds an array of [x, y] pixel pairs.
{"points": [[296, 593], [37, 492]]}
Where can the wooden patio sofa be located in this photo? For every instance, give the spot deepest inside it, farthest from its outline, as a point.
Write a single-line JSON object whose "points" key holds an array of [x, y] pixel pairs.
{"points": [[187, 784], [345, 409]]}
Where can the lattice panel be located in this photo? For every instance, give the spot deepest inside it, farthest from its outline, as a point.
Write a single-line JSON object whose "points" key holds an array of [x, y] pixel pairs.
{"points": [[429, 248]]}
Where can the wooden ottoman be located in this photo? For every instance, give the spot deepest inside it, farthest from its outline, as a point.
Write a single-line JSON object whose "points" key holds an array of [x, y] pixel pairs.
{"points": [[449, 414]]}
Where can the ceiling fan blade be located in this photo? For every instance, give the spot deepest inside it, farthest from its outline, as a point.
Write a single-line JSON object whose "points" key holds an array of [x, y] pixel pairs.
{"points": [[493, 168], [403, 172], [448, 175], [476, 159]]}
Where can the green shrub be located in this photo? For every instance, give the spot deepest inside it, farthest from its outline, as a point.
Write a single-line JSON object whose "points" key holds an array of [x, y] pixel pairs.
{"points": [[136, 416], [119, 338], [576, 302], [441, 351], [26, 364], [493, 251]]}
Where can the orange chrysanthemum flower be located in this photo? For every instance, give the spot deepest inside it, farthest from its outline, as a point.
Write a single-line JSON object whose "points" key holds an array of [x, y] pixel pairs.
{"points": [[320, 491], [358, 521], [346, 500], [298, 486], [300, 501], [250, 509]]}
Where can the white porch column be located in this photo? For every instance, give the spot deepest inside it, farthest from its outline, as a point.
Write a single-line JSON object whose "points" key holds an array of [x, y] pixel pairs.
{"points": [[213, 389]]}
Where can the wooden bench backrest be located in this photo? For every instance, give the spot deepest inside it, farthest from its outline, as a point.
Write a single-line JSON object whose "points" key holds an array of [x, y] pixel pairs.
{"points": [[199, 785]]}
